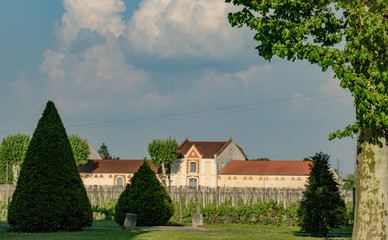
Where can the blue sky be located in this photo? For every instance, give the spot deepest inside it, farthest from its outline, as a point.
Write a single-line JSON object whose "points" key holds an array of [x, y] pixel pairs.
{"points": [[127, 72]]}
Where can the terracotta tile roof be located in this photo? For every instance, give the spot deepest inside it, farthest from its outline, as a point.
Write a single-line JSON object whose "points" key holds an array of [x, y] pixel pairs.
{"points": [[114, 166], [267, 168], [206, 149]]}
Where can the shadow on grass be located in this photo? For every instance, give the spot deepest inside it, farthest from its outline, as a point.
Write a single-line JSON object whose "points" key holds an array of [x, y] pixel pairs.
{"points": [[174, 224], [333, 233], [103, 233]]}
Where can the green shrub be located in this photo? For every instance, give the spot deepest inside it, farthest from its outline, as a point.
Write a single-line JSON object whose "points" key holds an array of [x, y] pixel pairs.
{"points": [[3, 210], [321, 207], [104, 211], [50, 195], [146, 198]]}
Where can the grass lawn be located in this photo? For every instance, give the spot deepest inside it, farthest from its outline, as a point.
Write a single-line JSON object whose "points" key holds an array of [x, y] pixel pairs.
{"points": [[110, 230]]}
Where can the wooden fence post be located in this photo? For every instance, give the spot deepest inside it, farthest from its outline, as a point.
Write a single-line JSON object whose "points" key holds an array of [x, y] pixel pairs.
{"points": [[180, 204], [198, 198]]}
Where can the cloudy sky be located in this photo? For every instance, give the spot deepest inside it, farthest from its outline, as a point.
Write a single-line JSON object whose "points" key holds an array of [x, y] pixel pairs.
{"points": [[127, 72]]}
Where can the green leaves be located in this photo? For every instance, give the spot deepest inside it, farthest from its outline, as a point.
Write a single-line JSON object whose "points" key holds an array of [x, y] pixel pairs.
{"points": [[50, 195], [80, 149], [146, 198], [321, 207], [163, 151], [13, 149], [311, 29]]}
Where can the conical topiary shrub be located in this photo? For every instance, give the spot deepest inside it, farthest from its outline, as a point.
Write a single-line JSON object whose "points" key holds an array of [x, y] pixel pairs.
{"points": [[145, 197], [50, 195], [321, 207]]}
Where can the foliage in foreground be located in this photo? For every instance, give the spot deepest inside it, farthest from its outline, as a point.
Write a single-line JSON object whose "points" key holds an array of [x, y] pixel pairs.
{"points": [[321, 207], [50, 195], [145, 197]]}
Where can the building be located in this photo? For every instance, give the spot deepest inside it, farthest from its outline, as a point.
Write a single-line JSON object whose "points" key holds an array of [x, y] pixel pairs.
{"points": [[111, 172], [265, 174], [198, 163], [205, 163]]}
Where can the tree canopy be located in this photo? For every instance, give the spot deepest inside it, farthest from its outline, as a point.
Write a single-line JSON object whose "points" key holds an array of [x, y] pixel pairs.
{"points": [[80, 149], [349, 37], [13, 149], [313, 31], [103, 151], [163, 151]]}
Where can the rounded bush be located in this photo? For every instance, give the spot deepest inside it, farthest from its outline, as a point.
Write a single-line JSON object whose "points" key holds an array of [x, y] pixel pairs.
{"points": [[145, 197]]}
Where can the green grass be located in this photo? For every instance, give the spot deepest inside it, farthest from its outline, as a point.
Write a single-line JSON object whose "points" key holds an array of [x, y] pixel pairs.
{"points": [[253, 228], [103, 229]]}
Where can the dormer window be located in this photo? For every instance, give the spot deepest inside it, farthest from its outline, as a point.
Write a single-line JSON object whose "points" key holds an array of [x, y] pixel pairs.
{"points": [[193, 167]]}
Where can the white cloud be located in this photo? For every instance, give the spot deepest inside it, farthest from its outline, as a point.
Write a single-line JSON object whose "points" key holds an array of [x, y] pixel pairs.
{"points": [[215, 85], [102, 16], [89, 68], [181, 28]]}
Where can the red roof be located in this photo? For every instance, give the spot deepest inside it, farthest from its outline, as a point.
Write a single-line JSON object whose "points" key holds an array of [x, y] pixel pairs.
{"points": [[114, 166], [206, 149], [267, 168]]}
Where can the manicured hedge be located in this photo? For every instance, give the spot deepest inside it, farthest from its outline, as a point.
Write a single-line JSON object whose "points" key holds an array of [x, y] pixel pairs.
{"points": [[50, 195], [145, 197]]}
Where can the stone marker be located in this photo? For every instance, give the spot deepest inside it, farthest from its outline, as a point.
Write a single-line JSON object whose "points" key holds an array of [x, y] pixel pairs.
{"points": [[130, 221], [197, 220]]}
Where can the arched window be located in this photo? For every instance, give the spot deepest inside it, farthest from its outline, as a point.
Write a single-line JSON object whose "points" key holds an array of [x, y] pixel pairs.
{"points": [[193, 167], [193, 182], [120, 182]]}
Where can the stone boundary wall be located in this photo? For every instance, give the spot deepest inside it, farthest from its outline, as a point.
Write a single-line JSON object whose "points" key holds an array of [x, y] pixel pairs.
{"points": [[99, 194]]}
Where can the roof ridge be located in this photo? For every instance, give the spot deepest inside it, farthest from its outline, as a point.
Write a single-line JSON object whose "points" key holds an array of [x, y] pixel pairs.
{"points": [[223, 147], [183, 143]]}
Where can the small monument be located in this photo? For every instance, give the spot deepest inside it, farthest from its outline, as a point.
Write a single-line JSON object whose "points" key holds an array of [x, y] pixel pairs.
{"points": [[197, 220], [130, 221]]}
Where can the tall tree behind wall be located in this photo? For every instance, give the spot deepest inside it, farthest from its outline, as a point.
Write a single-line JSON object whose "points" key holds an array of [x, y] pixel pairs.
{"points": [[103, 151], [80, 149], [13, 149], [163, 152]]}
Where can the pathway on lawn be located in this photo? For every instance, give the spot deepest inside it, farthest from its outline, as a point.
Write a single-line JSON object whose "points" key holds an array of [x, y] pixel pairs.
{"points": [[174, 228]]}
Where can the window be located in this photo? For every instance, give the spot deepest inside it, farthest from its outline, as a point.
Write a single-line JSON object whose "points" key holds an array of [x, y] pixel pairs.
{"points": [[193, 167], [120, 182], [192, 182]]}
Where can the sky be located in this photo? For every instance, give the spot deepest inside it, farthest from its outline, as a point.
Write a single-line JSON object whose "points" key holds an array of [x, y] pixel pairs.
{"points": [[126, 72]]}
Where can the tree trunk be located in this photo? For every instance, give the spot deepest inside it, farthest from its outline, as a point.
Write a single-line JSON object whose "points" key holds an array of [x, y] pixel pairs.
{"points": [[371, 181]]}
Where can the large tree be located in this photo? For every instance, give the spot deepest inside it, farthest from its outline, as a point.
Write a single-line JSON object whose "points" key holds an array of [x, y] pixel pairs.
{"points": [[321, 207], [312, 30], [162, 152], [50, 195], [13, 149], [80, 149]]}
